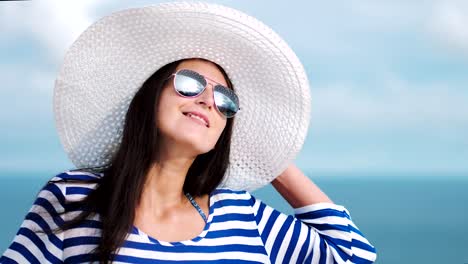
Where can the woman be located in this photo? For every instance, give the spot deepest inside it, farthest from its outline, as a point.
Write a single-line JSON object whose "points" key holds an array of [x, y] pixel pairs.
{"points": [[147, 106]]}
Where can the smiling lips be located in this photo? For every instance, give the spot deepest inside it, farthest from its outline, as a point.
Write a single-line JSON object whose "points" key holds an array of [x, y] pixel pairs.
{"points": [[198, 117]]}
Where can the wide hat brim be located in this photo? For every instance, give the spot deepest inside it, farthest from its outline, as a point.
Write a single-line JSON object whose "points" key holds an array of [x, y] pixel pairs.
{"points": [[112, 58]]}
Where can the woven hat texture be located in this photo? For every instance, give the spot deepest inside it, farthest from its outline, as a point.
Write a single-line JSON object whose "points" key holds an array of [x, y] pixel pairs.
{"points": [[112, 58]]}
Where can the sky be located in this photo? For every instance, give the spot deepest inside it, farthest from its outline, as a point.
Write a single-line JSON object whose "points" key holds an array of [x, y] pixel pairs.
{"points": [[389, 81]]}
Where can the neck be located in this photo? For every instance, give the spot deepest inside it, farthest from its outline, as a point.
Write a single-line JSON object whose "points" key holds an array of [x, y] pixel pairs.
{"points": [[163, 188]]}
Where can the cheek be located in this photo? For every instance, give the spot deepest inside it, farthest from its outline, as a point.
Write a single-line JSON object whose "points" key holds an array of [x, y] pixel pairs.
{"points": [[220, 126], [165, 108], [168, 101]]}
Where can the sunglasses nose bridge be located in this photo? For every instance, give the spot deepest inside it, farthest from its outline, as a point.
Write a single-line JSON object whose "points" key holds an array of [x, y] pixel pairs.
{"points": [[207, 96]]}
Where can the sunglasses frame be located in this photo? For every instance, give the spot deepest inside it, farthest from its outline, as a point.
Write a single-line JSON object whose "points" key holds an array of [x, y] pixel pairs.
{"points": [[204, 88]]}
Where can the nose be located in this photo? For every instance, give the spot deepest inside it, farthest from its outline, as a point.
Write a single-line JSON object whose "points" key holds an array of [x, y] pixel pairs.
{"points": [[207, 97]]}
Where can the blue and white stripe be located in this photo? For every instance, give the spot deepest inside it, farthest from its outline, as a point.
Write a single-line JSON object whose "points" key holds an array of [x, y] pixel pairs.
{"points": [[240, 229]]}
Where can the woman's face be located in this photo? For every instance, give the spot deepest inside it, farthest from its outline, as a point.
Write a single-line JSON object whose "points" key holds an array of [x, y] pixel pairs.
{"points": [[176, 123]]}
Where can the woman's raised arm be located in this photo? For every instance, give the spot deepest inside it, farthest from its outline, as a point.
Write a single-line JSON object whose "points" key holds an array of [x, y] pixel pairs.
{"points": [[298, 189]]}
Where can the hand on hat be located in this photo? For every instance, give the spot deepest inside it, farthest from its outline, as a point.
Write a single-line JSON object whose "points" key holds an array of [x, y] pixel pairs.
{"points": [[298, 189]]}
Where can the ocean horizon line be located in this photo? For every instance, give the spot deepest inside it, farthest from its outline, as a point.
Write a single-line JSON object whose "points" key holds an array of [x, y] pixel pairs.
{"points": [[313, 174]]}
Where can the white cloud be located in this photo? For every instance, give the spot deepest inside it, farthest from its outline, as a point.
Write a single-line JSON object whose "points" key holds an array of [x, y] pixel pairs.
{"points": [[387, 16], [53, 23], [393, 104], [449, 24], [354, 27], [44, 30]]}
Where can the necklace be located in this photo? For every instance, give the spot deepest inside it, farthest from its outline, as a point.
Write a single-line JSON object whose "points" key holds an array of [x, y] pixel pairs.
{"points": [[194, 203]]}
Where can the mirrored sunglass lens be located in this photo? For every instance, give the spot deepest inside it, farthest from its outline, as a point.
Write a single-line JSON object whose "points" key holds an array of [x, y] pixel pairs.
{"points": [[227, 103], [189, 83]]}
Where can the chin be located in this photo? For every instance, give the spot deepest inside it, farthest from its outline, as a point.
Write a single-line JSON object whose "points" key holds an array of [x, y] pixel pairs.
{"points": [[199, 148], [204, 150]]}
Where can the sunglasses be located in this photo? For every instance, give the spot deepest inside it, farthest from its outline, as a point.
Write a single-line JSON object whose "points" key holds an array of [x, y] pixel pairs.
{"points": [[188, 83]]}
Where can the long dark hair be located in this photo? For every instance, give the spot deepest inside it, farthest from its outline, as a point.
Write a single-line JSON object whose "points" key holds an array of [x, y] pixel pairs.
{"points": [[118, 191]]}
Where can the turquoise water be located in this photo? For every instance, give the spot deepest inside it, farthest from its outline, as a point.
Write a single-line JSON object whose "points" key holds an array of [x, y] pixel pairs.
{"points": [[408, 219]]}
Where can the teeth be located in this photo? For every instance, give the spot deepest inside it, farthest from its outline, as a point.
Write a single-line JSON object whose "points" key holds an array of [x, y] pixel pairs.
{"points": [[197, 117]]}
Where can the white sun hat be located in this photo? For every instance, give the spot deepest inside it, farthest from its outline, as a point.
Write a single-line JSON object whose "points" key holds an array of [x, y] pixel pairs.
{"points": [[111, 59]]}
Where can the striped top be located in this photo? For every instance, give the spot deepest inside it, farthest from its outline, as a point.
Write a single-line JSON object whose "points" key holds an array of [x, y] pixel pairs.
{"points": [[240, 229]]}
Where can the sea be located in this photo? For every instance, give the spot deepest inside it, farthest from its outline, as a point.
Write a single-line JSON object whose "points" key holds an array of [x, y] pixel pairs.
{"points": [[410, 219]]}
